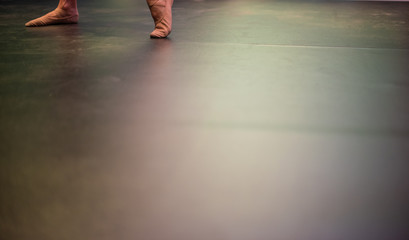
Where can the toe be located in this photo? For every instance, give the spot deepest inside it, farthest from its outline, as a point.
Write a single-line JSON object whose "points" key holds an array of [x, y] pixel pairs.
{"points": [[29, 24], [158, 34]]}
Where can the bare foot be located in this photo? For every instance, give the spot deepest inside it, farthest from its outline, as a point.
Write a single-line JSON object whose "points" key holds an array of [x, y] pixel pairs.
{"points": [[58, 16]]}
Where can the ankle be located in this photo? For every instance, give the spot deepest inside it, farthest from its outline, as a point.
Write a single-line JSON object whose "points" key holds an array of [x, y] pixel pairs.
{"points": [[67, 6], [68, 10]]}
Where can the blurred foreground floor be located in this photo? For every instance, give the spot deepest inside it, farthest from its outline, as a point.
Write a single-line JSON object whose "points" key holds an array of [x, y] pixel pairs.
{"points": [[255, 120]]}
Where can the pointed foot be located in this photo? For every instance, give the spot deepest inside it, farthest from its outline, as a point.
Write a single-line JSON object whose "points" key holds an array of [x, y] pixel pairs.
{"points": [[58, 16]]}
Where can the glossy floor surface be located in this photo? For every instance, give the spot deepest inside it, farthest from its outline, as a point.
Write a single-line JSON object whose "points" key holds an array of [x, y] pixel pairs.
{"points": [[255, 120]]}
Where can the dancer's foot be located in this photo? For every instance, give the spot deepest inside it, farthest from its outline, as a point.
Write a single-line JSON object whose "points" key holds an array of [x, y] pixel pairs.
{"points": [[161, 11], [58, 16]]}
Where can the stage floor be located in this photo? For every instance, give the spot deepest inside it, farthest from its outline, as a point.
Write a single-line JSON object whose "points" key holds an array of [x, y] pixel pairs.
{"points": [[254, 120]]}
